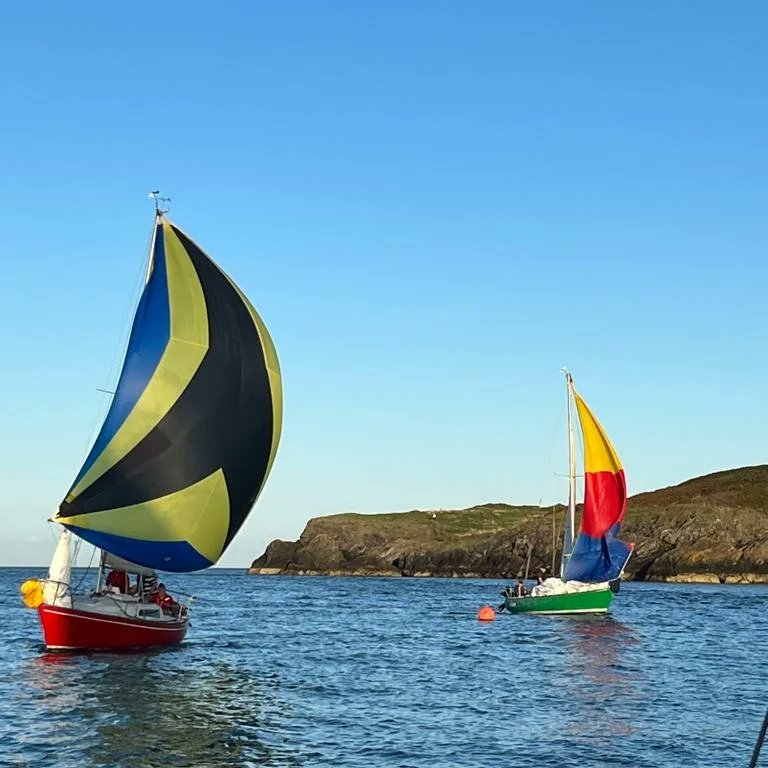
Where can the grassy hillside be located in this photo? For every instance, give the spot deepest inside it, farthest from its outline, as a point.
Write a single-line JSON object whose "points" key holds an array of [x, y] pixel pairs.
{"points": [[715, 526]]}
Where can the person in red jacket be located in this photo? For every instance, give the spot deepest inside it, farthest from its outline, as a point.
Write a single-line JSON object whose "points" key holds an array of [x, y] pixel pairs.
{"points": [[119, 579], [165, 601]]}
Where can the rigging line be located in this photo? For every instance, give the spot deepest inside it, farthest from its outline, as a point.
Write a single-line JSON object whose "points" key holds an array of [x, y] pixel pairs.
{"points": [[87, 569], [129, 616], [759, 744], [555, 534], [548, 465], [54, 532], [580, 458], [118, 355], [119, 606], [185, 594]]}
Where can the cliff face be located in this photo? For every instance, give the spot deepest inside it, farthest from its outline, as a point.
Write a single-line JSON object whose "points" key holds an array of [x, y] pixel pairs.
{"points": [[706, 529]]}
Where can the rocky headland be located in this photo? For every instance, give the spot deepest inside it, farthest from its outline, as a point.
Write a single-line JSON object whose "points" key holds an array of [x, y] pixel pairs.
{"points": [[712, 528]]}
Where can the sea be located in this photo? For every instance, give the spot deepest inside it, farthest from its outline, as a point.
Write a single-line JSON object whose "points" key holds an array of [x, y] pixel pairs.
{"points": [[396, 673]]}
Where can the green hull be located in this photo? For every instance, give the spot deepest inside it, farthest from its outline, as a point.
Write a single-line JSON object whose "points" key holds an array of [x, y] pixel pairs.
{"points": [[594, 601]]}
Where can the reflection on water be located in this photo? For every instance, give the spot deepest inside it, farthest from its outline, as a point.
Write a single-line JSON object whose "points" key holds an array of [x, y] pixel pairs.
{"points": [[602, 683], [597, 644], [147, 709]]}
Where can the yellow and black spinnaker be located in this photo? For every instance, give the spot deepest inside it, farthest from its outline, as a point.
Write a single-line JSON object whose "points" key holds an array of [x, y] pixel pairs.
{"points": [[195, 422]]}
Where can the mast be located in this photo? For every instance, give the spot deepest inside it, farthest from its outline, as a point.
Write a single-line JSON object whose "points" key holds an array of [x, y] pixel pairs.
{"points": [[554, 539], [570, 522], [159, 213]]}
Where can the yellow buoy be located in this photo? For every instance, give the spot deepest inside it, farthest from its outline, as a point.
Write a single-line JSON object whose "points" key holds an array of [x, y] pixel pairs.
{"points": [[32, 593], [486, 613]]}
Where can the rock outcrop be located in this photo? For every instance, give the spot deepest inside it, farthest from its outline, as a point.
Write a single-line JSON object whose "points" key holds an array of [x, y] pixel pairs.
{"points": [[711, 528]]}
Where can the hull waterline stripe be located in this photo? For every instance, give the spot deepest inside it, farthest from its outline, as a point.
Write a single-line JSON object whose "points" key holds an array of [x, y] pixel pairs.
{"points": [[138, 624]]}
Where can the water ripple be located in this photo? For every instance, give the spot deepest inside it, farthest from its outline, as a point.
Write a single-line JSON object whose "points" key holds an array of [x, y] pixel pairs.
{"points": [[396, 673]]}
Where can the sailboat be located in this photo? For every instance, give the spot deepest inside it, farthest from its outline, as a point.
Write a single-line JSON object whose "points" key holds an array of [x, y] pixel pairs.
{"points": [[592, 563], [180, 460]]}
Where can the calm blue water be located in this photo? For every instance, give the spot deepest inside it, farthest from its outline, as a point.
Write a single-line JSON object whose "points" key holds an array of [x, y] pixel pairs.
{"points": [[381, 673]]}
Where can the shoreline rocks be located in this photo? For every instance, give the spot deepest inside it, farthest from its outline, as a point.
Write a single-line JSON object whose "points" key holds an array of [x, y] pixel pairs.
{"points": [[712, 529]]}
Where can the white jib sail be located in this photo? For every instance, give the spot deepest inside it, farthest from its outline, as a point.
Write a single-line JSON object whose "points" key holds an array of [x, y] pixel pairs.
{"points": [[56, 589]]}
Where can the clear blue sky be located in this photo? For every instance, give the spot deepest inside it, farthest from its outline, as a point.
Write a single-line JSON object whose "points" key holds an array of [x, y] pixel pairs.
{"points": [[434, 205]]}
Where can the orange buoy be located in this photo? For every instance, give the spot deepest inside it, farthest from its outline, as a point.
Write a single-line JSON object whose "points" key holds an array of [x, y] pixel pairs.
{"points": [[486, 613]]}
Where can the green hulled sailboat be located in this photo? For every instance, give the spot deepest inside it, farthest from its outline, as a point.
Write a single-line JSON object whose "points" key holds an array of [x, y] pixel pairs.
{"points": [[592, 563]]}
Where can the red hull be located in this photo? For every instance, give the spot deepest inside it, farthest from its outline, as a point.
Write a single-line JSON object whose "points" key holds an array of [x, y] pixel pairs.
{"points": [[65, 629]]}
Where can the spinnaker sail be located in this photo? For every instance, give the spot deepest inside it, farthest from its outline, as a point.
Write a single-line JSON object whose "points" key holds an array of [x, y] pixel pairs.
{"points": [[195, 422], [598, 555]]}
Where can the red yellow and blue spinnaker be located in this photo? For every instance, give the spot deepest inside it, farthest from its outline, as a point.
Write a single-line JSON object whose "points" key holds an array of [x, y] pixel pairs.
{"points": [[597, 554]]}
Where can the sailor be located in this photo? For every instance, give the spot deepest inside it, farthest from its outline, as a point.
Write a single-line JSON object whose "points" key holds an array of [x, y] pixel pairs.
{"points": [[119, 579], [148, 587], [520, 590], [165, 601]]}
